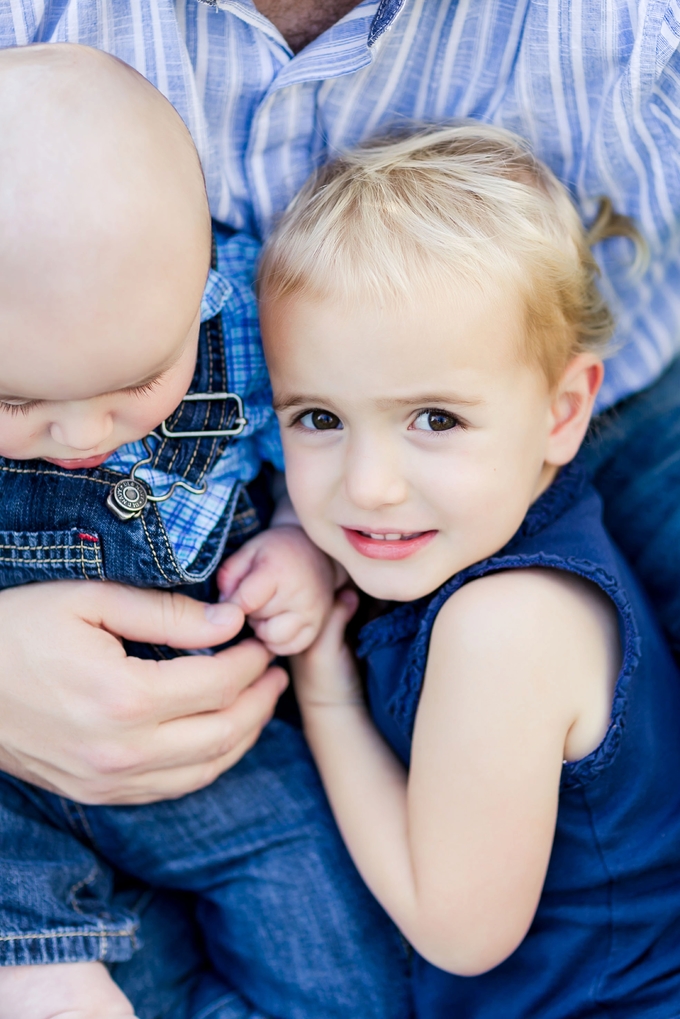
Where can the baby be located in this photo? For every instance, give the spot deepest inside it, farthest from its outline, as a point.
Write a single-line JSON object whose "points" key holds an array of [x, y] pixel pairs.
{"points": [[134, 411], [510, 794]]}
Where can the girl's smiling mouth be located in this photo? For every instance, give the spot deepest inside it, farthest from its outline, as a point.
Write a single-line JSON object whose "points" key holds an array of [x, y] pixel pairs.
{"points": [[388, 544]]}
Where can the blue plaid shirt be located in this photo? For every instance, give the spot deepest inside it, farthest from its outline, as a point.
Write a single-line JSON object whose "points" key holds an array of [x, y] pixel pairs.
{"points": [[188, 518]]}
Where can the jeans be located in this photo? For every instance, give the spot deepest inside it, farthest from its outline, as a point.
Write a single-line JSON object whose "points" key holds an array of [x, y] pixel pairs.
{"points": [[272, 919], [633, 455]]}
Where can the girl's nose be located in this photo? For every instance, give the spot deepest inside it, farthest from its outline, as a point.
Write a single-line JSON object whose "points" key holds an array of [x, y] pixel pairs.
{"points": [[82, 429], [373, 479]]}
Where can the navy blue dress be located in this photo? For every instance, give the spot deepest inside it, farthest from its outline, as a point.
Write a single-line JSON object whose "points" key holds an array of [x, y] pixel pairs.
{"points": [[605, 940]]}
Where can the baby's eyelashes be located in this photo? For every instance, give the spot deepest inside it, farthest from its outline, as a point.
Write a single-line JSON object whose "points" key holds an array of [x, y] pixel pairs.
{"points": [[18, 406]]}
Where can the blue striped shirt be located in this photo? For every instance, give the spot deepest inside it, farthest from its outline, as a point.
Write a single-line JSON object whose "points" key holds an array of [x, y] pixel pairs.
{"points": [[593, 84]]}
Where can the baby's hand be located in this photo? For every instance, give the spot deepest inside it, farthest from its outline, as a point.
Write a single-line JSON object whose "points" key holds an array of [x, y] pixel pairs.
{"points": [[285, 586]]}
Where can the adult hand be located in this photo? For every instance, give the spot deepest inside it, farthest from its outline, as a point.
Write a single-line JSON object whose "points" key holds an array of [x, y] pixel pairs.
{"points": [[79, 717]]}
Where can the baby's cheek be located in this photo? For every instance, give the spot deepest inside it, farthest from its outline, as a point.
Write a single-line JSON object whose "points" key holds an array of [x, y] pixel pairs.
{"points": [[20, 435]]}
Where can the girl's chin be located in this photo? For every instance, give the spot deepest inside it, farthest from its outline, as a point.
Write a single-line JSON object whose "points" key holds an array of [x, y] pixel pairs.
{"points": [[393, 587]]}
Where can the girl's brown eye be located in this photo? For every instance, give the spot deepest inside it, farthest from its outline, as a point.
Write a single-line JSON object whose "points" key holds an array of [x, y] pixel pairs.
{"points": [[435, 421], [320, 420]]}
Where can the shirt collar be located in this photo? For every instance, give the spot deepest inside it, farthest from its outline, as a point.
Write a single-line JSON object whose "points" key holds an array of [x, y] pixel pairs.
{"points": [[215, 296], [375, 18]]}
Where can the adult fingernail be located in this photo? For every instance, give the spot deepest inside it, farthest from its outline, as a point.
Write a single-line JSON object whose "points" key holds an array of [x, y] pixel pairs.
{"points": [[222, 613]]}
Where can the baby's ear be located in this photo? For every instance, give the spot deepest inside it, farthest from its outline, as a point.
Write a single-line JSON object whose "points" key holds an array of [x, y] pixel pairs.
{"points": [[572, 407]]}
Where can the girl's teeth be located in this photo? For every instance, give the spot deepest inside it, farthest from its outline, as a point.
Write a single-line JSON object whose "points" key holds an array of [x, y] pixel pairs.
{"points": [[389, 537]]}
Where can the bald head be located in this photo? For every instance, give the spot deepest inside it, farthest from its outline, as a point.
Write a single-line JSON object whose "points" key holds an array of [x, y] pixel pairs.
{"points": [[104, 223]]}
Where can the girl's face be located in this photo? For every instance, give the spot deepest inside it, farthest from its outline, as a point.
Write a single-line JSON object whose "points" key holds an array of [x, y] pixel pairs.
{"points": [[415, 436]]}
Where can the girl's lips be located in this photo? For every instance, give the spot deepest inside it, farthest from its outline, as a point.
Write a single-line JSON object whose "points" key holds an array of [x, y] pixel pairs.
{"points": [[74, 465], [384, 548]]}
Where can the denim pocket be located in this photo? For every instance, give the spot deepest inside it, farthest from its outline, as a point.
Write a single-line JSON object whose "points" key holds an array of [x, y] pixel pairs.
{"points": [[73, 554]]}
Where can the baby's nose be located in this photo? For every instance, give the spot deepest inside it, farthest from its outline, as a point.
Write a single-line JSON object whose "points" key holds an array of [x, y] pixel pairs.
{"points": [[83, 432]]}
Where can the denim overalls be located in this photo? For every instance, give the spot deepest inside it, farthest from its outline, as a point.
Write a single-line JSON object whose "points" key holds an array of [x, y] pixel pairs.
{"points": [[605, 940], [289, 927], [58, 524]]}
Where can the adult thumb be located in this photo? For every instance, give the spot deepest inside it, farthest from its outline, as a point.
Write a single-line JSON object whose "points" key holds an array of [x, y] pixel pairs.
{"points": [[163, 617]]}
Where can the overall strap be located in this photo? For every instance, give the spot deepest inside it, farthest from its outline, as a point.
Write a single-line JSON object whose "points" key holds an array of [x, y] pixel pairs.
{"points": [[193, 456]]}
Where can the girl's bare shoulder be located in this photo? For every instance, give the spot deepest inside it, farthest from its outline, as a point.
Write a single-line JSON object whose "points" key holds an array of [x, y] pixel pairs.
{"points": [[553, 633]]}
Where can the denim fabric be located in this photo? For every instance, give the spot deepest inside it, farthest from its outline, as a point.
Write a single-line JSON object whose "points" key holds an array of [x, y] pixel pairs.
{"points": [[289, 928], [160, 979], [604, 938], [633, 455]]}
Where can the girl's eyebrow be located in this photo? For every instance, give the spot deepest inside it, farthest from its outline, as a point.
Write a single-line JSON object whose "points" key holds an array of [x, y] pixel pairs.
{"points": [[429, 399], [419, 399], [299, 401]]}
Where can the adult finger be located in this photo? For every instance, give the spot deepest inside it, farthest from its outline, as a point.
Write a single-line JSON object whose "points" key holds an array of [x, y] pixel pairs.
{"points": [[199, 739], [178, 777], [161, 617], [170, 783], [192, 684]]}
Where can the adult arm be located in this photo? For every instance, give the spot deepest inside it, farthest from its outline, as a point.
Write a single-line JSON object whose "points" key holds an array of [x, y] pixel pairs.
{"points": [[79, 717]]}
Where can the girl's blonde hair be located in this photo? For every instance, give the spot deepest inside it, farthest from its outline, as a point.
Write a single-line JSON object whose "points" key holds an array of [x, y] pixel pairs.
{"points": [[464, 204]]}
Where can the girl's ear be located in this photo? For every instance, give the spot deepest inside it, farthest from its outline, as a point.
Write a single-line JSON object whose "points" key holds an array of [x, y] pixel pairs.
{"points": [[572, 407]]}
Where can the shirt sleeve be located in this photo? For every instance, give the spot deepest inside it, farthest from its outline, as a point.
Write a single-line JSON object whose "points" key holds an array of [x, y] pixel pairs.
{"points": [[644, 115]]}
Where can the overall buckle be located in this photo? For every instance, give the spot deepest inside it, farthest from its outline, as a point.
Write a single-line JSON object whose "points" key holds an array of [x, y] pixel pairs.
{"points": [[239, 422]]}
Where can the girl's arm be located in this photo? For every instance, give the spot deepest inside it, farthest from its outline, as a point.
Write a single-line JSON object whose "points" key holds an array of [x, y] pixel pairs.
{"points": [[521, 665]]}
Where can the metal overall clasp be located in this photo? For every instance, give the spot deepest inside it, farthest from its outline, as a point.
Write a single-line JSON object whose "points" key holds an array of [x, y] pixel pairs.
{"points": [[238, 423], [128, 497]]}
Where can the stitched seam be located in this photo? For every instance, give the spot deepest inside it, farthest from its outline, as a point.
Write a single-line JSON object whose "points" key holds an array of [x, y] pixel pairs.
{"points": [[173, 458], [84, 932], [159, 451], [68, 560], [153, 550], [206, 416], [61, 474], [98, 561], [66, 808], [36, 548], [168, 548], [82, 561], [206, 412], [79, 885], [217, 341], [208, 460], [85, 823]]}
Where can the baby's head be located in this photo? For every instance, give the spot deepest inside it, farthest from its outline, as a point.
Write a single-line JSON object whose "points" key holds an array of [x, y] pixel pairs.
{"points": [[104, 254], [434, 336]]}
